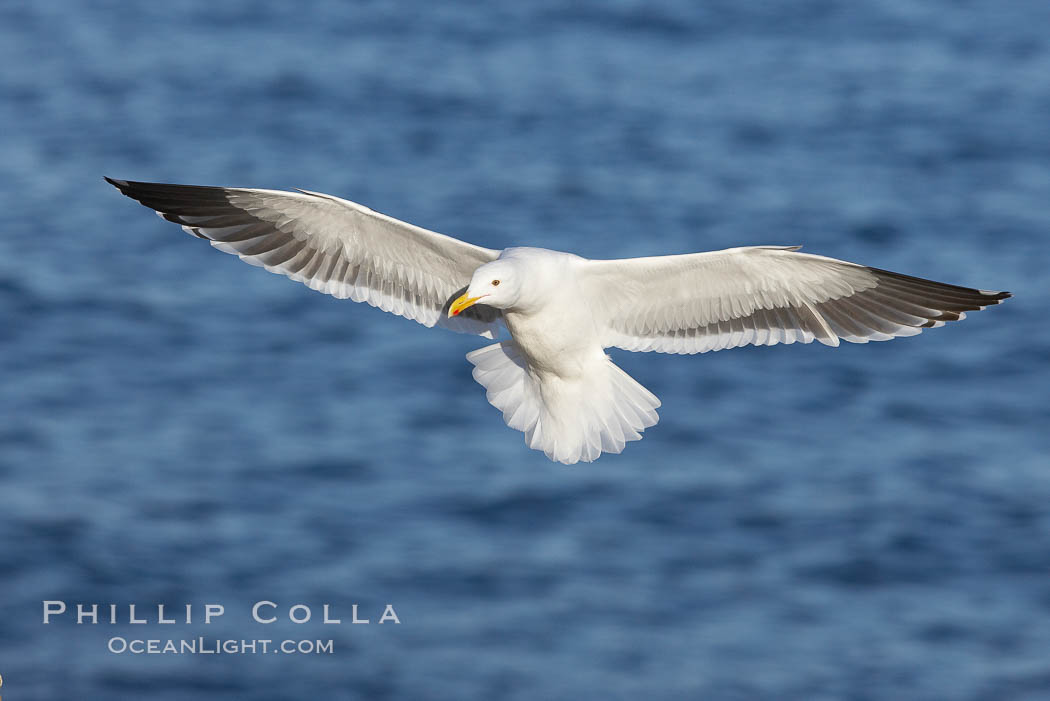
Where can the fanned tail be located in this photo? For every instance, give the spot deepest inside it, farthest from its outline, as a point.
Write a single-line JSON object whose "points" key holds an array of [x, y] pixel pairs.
{"points": [[568, 419]]}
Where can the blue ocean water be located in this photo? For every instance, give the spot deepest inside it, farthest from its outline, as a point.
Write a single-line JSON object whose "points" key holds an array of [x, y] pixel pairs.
{"points": [[867, 522]]}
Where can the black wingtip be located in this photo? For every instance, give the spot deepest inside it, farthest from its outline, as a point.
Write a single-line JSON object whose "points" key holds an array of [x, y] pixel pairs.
{"points": [[995, 296], [119, 184], [969, 298]]}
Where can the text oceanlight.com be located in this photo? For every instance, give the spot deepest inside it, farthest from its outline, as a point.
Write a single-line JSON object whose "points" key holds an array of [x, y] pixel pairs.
{"points": [[215, 646]]}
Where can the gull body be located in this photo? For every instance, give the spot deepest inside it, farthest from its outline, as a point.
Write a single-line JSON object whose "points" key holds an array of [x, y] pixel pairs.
{"points": [[557, 312], [548, 316], [553, 380]]}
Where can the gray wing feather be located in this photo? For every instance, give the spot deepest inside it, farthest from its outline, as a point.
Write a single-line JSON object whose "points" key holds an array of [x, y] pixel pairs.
{"points": [[765, 295], [331, 245]]}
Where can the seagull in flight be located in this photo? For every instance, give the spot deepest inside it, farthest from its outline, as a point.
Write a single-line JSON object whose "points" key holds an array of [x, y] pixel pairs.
{"points": [[557, 312]]}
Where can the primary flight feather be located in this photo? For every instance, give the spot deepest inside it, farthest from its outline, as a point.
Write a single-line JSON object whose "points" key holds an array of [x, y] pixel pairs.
{"points": [[552, 379]]}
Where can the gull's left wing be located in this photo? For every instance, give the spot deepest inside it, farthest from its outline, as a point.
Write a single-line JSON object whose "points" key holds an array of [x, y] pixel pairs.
{"points": [[763, 295], [333, 246]]}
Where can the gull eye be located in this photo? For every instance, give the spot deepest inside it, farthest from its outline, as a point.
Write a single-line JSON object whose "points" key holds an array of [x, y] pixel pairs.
{"points": [[495, 283]]}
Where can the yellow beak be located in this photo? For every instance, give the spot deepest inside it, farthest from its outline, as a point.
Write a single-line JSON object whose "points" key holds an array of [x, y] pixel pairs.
{"points": [[462, 303]]}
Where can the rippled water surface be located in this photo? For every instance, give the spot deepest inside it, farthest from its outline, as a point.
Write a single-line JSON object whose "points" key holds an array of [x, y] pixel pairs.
{"points": [[867, 522]]}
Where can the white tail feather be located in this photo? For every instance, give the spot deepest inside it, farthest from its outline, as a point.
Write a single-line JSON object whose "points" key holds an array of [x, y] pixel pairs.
{"points": [[568, 419]]}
